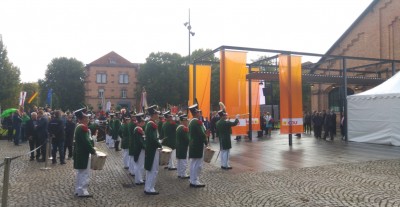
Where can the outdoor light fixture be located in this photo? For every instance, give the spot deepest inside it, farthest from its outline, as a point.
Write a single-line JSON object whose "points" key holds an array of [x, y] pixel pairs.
{"points": [[356, 88], [189, 27], [260, 83], [312, 85], [333, 86]]}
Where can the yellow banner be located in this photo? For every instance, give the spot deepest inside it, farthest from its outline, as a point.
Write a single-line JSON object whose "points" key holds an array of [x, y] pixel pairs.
{"points": [[233, 87], [203, 82], [291, 102]]}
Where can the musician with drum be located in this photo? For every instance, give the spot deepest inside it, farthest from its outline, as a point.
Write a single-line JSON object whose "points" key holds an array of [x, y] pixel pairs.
{"points": [[82, 148], [224, 130], [182, 144], [152, 153], [136, 149], [169, 139]]}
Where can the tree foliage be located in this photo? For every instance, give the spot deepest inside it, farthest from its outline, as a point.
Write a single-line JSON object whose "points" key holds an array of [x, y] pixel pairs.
{"points": [[66, 77], [9, 80]]}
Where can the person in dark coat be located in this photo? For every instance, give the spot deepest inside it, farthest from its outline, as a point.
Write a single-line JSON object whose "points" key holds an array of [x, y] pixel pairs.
{"points": [[213, 124], [83, 147], [32, 136], [169, 132], [116, 124], [136, 149], [197, 141], [9, 125], [224, 127], [182, 145], [42, 132], [332, 126], [17, 123], [318, 122], [69, 136], [56, 130], [152, 152]]}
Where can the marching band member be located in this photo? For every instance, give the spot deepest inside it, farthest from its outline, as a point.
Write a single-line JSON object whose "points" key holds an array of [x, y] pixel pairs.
{"points": [[83, 147], [124, 134], [197, 140], [182, 144], [136, 149], [131, 128], [169, 132], [115, 131], [152, 153], [224, 130]]}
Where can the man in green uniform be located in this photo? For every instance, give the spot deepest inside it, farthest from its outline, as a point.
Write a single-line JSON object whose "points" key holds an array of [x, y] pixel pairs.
{"points": [[109, 140], [124, 134], [136, 149], [115, 131], [152, 154], [182, 144], [169, 132], [197, 141], [160, 126], [224, 130], [83, 147], [131, 128]]}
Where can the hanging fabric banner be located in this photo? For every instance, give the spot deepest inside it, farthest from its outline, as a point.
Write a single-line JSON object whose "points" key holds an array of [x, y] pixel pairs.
{"points": [[291, 102], [203, 83], [233, 87], [255, 102]]}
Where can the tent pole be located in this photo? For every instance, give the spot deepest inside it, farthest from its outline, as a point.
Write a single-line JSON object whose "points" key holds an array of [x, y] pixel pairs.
{"points": [[345, 99], [393, 68]]}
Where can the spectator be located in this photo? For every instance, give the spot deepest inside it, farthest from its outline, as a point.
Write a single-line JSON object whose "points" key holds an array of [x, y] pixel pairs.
{"points": [[56, 130], [42, 131], [69, 136], [31, 134]]}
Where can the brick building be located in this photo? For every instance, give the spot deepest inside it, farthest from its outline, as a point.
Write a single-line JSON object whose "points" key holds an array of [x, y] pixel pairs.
{"points": [[111, 78], [374, 34]]}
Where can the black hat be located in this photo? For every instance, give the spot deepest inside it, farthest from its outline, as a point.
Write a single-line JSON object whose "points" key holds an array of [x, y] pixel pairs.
{"points": [[183, 117], [222, 113], [127, 116], [152, 110], [167, 114], [80, 113], [194, 109], [139, 117]]}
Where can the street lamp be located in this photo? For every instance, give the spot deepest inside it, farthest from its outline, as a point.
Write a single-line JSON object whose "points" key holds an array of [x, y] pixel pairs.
{"points": [[189, 27]]}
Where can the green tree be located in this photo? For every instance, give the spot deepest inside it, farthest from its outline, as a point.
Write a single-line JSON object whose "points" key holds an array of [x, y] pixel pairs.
{"points": [[66, 77], [30, 89], [9, 80], [165, 78]]}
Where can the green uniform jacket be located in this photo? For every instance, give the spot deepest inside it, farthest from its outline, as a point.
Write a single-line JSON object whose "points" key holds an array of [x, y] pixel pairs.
{"points": [[224, 129], [160, 129], [125, 136], [197, 138], [131, 128], [109, 127], [182, 142], [138, 143], [116, 124], [82, 147], [169, 132], [151, 144]]}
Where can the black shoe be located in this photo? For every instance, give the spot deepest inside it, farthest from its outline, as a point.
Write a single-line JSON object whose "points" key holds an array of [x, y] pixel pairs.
{"points": [[40, 160], [151, 193], [62, 163], [173, 168], [184, 177], [228, 168], [222, 167], [142, 183], [166, 167], [117, 150], [85, 196], [31, 159], [133, 175], [197, 186], [126, 168]]}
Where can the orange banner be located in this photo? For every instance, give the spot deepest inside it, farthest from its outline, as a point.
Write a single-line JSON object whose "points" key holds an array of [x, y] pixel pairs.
{"points": [[255, 102], [233, 87], [291, 102], [203, 82]]}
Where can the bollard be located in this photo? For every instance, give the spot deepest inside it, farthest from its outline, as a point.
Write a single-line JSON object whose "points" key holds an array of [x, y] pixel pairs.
{"points": [[45, 159], [4, 197]]}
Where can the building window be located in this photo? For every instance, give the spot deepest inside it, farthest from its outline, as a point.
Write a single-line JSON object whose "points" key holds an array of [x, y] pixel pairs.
{"points": [[123, 93], [101, 93], [123, 79], [101, 78], [335, 100]]}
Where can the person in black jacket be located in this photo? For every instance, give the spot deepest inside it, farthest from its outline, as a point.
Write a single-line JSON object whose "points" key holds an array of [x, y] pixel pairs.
{"points": [[31, 134], [42, 132], [56, 131], [213, 124], [69, 136]]}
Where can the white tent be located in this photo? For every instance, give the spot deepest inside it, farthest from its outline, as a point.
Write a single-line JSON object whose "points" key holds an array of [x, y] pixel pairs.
{"points": [[374, 115]]}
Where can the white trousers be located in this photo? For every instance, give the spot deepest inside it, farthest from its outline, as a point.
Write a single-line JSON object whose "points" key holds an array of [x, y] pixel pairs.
{"points": [[110, 141], [139, 167], [196, 165], [182, 165], [125, 157], [82, 180], [225, 158], [151, 176], [131, 166], [108, 137], [171, 162]]}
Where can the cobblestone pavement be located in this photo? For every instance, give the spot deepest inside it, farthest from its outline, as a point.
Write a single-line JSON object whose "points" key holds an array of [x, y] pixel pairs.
{"points": [[370, 183]]}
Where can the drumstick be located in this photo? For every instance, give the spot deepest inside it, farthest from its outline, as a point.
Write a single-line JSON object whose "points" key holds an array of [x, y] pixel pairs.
{"points": [[217, 156]]}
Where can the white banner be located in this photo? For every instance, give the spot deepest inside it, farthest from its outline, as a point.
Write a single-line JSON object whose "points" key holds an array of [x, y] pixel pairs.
{"points": [[292, 121]]}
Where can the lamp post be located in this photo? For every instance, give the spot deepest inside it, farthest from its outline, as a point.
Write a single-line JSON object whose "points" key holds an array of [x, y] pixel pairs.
{"points": [[189, 27]]}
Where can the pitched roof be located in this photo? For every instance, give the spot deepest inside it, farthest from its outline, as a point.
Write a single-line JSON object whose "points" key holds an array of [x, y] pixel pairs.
{"points": [[112, 59]]}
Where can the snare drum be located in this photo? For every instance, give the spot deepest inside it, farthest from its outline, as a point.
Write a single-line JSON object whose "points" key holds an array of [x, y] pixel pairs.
{"points": [[97, 162], [208, 154], [165, 154]]}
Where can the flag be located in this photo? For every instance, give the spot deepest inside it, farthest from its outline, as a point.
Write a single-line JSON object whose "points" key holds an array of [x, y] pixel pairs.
{"points": [[32, 97], [143, 100], [22, 96], [49, 97]]}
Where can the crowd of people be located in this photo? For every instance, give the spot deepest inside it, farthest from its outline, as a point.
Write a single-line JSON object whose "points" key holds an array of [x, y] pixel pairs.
{"points": [[323, 124]]}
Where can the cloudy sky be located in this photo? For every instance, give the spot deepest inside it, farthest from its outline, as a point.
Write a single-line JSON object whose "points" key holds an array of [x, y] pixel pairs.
{"points": [[35, 32]]}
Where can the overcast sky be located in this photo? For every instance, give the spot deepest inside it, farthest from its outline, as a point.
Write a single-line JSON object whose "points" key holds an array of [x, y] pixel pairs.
{"points": [[35, 32]]}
